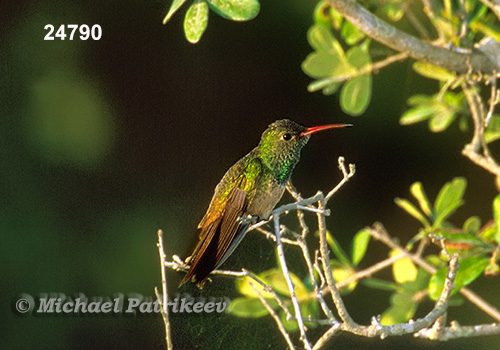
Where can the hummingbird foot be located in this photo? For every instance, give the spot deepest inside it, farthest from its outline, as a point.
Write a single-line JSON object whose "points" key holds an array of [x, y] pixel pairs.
{"points": [[249, 219]]}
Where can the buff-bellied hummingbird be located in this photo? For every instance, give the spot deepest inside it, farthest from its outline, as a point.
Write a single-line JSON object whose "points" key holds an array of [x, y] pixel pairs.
{"points": [[247, 193]]}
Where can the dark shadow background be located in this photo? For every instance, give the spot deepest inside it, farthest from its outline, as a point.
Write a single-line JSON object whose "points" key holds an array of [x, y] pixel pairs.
{"points": [[105, 142]]}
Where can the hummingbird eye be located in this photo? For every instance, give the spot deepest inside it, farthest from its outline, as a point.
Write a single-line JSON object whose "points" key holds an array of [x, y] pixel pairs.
{"points": [[287, 137]]}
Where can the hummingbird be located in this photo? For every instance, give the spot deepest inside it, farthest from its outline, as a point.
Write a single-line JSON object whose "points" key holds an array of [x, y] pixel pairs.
{"points": [[247, 193]]}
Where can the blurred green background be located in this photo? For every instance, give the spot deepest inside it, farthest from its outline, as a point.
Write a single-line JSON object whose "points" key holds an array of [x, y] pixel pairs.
{"points": [[105, 142]]}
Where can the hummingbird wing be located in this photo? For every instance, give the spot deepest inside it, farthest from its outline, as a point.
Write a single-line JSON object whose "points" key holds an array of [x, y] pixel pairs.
{"points": [[222, 227]]}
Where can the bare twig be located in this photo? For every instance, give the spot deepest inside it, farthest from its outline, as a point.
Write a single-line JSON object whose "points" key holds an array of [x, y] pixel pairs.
{"points": [[375, 28], [457, 331], [432, 325], [378, 232], [321, 83], [472, 149], [291, 287], [346, 176], [330, 281], [164, 301], [275, 316]]}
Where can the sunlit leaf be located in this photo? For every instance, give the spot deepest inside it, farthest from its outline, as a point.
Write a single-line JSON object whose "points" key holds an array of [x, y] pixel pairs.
{"points": [[403, 270], [244, 286], [336, 18], [476, 12], [360, 245], [441, 120], [342, 272], [492, 132], [450, 197], [196, 21], [320, 38], [331, 89], [337, 250], [417, 114], [377, 283], [276, 280], [402, 309], [419, 99], [496, 215], [412, 210], [491, 30], [351, 34], [236, 10], [417, 190], [394, 11], [358, 56], [469, 270], [249, 307], [321, 64], [492, 269], [290, 325], [310, 308], [463, 240], [176, 4], [321, 14], [355, 95], [433, 72], [472, 224]]}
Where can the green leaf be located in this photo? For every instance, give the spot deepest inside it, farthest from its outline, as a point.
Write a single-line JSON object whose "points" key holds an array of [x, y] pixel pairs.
{"points": [[433, 72], [440, 121], [360, 245], [351, 34], [244, 286], [320, 64], [290, 325], [249, 307], [236, 10], [321, 14], [336, 18], [196, 21], [331, 89], [377, 283], [417, 114], [492, 132], [412, 210], [450, 197], [337, 250], [468, 271], [356, 94], [472, 224], [176, 4], [496, 215], [403, 270], [274, 278], [321, 39], [358, 56], [417, 190], [310, 308], [463, 241], [492, 269], [420, 100], [342, 272], [402, 309], [394, 11]]}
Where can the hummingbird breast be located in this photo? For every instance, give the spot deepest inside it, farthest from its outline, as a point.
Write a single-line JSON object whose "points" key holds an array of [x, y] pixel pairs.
{"points": [[268, 195]]}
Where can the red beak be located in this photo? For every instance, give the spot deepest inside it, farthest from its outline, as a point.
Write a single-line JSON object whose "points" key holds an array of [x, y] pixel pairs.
{"points": [[315, 129]]}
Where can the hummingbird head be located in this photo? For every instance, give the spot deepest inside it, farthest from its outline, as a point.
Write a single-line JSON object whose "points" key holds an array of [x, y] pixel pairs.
{"points": [[282, 141]]}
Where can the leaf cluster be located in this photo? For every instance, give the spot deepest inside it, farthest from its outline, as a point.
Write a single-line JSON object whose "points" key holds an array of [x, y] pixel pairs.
{"points": [[196, 18]]}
